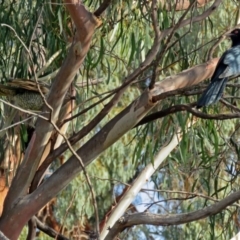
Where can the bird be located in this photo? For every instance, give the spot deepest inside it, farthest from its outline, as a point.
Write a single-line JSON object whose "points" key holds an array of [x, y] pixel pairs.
{"points": [[24, 93], [227, 67]]}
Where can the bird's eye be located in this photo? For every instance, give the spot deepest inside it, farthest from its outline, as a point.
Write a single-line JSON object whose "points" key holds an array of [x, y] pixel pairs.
{"points": [[236, 31]]}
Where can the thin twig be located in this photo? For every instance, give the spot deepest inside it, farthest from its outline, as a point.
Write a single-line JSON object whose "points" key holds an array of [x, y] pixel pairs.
{"points": [[63, 135], [48, 63], [220, 39], [85, 174], [35, 28], [16, 123], [24, 110], [163, 191], [157, 36], [189, 108], [102, 8], [48, 230], [30, 56], [67, 211]]}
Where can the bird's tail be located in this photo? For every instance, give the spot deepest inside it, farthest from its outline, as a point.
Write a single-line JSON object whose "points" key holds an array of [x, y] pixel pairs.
{"points": [[213, 93]]}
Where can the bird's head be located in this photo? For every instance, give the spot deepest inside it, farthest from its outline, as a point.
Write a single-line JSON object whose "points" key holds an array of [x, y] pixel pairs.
{"points": [[235, 36]]}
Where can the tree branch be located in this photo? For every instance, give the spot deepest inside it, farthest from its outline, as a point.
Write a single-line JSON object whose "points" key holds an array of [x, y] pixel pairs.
{"points": [[189, 108], [112, 131], [31, 229], [147, 172], [49, 231], [149, 58], [195, 19], [85, 23], [131, 220], [102, 8]]}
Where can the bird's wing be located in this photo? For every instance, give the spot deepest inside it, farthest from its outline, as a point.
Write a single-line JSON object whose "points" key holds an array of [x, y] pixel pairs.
{"points": [[231, 59], [220, 68]]}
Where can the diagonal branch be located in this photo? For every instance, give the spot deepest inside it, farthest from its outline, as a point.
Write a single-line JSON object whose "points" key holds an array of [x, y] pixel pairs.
{"points": [[85, 23], [49, 231], [149, 58], [112, 131], [195, 19], [148, 171], [102, 7]]}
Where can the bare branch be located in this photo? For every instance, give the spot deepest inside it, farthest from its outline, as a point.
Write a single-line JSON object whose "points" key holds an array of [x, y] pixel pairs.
{"points": [[189, 108], [113, 130], [157, 36], [85, 23], [32, 227], [49, 231], [148, 171], [198, 18], [173, 219], [102, 8]]}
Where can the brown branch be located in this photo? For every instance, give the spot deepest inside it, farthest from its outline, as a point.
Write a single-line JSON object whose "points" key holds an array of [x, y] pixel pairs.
{"points": [[115, 128], [130, 220], [231, 106], [195, 19], [32, 227], [102, 8], [119, 125], [196, 76], [85, 23], [189, 108], [157, 32], [164, 113], [48, 230]]}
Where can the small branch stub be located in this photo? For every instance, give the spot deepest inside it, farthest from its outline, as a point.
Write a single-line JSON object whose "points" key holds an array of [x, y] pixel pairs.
{"points": [[123, 219]]}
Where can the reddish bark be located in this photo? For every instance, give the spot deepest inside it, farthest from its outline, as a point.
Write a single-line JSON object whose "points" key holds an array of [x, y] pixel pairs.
{"points": [[3, 191]]}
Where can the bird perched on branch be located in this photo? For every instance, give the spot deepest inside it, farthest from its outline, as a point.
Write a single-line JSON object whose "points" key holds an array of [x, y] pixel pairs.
{"points": [[227, 67], [24, 93]]}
